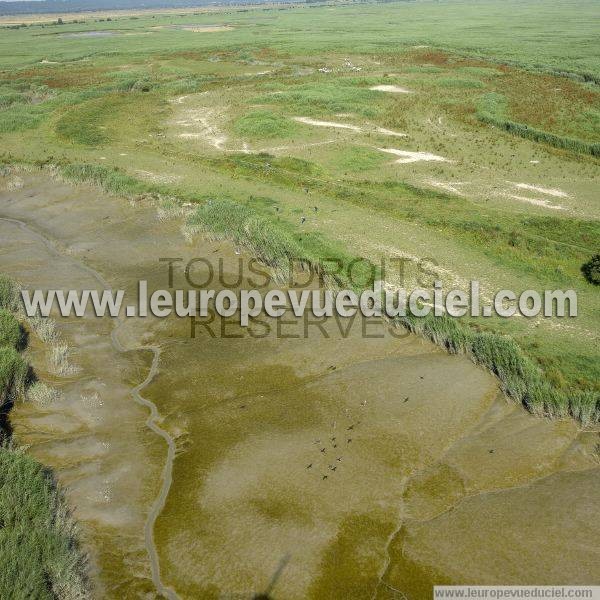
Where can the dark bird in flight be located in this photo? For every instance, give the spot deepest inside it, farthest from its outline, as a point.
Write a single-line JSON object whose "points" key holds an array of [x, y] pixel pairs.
{"points": [[406, 399], [324, 476], [309, 466], [322, 449], [349, 440], [350, 428]]}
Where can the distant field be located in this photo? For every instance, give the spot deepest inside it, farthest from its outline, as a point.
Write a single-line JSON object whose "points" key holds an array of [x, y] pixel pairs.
{"points": [[409, 125], [536, 33]]}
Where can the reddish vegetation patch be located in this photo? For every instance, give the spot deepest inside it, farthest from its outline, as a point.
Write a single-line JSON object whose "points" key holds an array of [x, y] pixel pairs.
{"points": [[546, 101], [432, 57], [198, 55], [63, 77], [442, 59]]}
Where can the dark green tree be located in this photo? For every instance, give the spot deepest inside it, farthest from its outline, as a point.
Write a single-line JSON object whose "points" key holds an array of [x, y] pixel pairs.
{"points": [[591, 270]]}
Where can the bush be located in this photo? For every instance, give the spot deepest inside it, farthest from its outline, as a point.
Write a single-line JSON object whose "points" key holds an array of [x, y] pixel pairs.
{"points": [[39, 551], [9, 294], [13, 373], [10, 330], [591, 270]]}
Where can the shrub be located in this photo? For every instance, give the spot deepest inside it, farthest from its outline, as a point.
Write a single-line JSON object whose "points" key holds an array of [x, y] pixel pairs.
{"points": [[9, 294], [39, 550], [591, 270], [10, 330], [42, 394], [13, 373]]}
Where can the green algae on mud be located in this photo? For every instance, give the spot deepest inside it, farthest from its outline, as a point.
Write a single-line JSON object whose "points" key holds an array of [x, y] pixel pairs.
{"points": [[120, 104], [278, 243], [246, 415]]}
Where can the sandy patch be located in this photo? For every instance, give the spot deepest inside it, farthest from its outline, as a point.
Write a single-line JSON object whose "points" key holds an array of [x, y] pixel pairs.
{"points": [[542, 190], [393, 89], [358, 129], [384, 131], [537, 202], [410, 157], [208, 28], [452, 187], [203, 121], [180, 99], [298, 147], [316, 123], [157, 177]]}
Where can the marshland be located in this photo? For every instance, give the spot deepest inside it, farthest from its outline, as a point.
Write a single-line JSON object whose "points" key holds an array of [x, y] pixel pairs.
{"points": [[461, 138]]}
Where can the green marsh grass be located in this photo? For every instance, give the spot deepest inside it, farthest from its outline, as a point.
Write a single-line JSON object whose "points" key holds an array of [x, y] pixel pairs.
{"points": [[261, 124], [521, 379], [9, 294], [514, 239], [315, 99], [10, 330], [491, 109], [277, 243], [39, 547]]}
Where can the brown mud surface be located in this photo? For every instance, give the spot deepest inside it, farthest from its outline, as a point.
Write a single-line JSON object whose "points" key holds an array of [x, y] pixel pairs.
{"points": [[360, 466]]}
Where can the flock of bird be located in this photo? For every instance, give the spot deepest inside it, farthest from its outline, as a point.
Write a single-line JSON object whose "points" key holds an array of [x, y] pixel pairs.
{"points": [[334, 443], [315, 209]]}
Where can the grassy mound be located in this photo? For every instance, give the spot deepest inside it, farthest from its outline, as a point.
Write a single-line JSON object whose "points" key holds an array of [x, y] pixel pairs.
{"points": [[262, 124]]}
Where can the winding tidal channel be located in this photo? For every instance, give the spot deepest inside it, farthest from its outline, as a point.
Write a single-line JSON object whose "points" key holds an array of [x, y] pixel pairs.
{"points": [[329, 466]]}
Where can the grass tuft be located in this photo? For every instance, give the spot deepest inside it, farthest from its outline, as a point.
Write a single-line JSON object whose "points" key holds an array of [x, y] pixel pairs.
{"points": [[10, 330], [261, 124]]}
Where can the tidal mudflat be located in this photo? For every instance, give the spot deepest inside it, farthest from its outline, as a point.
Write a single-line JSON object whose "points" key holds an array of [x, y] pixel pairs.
{"points": [[360, 466]]}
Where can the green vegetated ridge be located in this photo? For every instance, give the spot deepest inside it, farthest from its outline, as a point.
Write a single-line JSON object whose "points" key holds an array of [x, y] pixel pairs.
{"points": [[76, 101], [277, 244], [39, 548]]}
